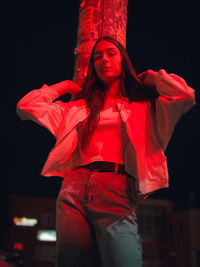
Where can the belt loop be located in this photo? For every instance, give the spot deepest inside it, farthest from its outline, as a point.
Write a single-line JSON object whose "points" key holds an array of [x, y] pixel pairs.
{"points": [[116, 168]]}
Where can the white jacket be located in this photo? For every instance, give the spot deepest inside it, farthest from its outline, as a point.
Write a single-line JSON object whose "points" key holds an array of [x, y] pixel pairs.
{"points": [[149, 128]]}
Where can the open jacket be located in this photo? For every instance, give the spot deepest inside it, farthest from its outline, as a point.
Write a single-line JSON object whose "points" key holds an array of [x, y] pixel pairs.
{"points": [[149, 128]]}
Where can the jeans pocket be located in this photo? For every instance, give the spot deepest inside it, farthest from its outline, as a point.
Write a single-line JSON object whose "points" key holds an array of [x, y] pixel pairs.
{"points": [[132, 189]]}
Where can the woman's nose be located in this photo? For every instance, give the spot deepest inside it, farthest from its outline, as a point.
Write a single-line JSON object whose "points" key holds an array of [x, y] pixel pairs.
{"points": [[104, 59]]}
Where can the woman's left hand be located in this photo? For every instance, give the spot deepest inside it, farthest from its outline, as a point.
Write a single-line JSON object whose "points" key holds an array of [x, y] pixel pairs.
{"points": [[148, 77]]}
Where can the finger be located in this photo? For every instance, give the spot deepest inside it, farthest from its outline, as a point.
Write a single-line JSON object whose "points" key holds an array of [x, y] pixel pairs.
{"points": [[142, 74]]}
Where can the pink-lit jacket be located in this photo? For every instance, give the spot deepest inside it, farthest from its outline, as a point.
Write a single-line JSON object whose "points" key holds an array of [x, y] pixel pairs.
{"points": [[149, 128]]}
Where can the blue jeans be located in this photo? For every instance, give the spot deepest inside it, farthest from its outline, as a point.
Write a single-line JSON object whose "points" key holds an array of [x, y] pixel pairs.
{"points": [[96, 222]]}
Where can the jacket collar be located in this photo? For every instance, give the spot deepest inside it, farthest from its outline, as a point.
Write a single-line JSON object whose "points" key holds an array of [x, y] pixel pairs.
{"points": [[125, 106]]}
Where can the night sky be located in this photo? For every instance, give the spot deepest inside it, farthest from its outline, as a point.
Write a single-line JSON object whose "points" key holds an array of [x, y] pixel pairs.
{"points": [[38, 49]]}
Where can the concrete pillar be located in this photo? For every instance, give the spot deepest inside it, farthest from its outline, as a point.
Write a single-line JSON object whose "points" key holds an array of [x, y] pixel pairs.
{"points": [[97, 18]]}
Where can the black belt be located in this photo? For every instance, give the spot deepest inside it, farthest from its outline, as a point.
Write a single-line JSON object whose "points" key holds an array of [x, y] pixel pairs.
{"points": [[105, 166]]}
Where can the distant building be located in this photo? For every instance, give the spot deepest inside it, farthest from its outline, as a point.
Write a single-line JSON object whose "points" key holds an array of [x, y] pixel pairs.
{"points": [[32, 231], [186, 237], [154, 220]]}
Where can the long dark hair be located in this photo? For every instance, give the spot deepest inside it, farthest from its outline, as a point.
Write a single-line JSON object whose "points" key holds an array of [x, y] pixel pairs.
{"points": [[93, 90]]}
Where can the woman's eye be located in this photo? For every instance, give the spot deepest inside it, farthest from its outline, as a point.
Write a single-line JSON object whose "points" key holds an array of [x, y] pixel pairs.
{"points": [[111, 54], [97, 57]]}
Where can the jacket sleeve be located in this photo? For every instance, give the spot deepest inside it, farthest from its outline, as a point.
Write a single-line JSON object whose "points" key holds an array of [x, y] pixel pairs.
{"points": [[175, 98], [39, 107]]}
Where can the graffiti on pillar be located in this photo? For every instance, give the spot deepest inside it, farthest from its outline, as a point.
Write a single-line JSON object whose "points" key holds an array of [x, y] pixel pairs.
{"points": [[97, 18]]}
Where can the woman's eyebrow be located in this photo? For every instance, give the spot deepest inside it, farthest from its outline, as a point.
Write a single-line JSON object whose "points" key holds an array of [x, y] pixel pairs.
{"points": [[112, 48], [108, 50]]}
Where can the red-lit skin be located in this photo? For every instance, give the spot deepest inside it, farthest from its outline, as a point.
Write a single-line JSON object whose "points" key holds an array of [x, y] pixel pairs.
{"points": [[148, 77], [108, 66]]}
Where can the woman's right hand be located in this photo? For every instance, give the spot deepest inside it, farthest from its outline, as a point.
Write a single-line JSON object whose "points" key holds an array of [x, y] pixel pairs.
{"points": [[73, 88], [66, 87]]}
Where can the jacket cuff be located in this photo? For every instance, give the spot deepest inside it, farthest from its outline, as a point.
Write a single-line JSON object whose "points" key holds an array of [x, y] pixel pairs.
{"points": [[172, 85], [53, 94]]}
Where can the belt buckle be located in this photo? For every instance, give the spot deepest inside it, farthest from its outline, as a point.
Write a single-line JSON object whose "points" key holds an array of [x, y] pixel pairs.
{"points": [[116, 169]]}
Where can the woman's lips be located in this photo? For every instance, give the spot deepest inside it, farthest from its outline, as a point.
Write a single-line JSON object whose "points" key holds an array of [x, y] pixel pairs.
{"points": [[106, 69]]}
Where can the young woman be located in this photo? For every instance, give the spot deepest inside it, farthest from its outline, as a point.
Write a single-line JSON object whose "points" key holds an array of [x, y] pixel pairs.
{"points": [[110, 148]]}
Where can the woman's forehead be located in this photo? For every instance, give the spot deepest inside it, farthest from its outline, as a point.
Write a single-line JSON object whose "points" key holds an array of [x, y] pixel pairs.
{"points": [[103, 46]]}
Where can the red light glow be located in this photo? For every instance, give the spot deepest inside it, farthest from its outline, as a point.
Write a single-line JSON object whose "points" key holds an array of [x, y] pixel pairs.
{"points": [[18, 246]]}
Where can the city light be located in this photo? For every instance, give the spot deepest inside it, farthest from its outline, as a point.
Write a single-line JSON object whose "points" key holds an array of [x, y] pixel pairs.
{"points": [[25, 221], [46, 235], [18, 246]]}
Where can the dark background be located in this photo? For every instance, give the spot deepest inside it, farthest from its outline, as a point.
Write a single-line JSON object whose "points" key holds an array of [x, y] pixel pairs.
{"points": [[38, 42]]}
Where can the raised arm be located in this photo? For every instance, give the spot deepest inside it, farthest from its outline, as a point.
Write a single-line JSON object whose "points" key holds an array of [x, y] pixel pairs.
{"points": [[39, 107], [175, 98]]}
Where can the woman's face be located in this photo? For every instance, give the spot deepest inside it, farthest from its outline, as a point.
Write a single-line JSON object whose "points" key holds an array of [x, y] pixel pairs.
{"points": [[107, 62]]}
